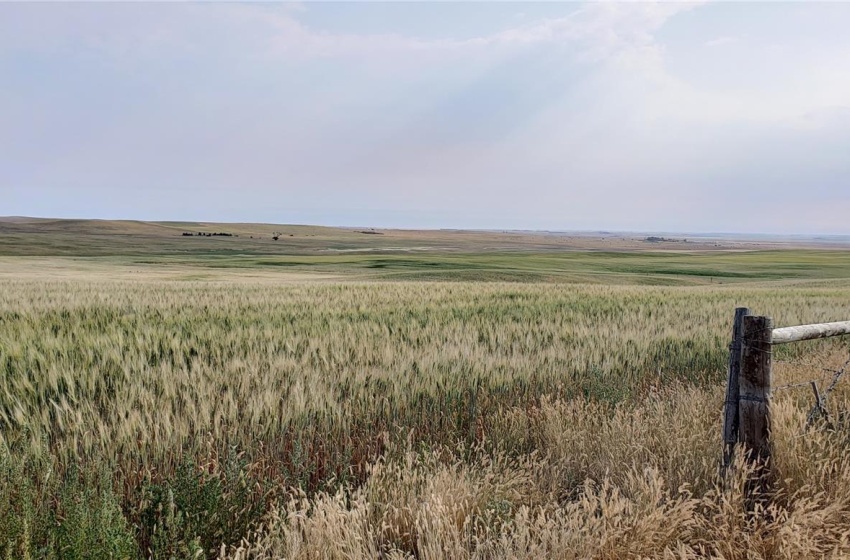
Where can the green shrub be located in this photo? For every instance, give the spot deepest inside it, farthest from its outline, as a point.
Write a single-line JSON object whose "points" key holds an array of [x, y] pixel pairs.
{"points": [[90, 523], [75, 516], [202, 508]]}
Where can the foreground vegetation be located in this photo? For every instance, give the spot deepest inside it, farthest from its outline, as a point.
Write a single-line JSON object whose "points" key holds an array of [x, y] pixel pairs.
{"points": [[244, 419]]}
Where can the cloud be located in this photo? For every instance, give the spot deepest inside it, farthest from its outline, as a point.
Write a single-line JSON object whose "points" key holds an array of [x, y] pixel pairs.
{"points": [[720, 41], [823, 118], [600, 28], [600, 117]]}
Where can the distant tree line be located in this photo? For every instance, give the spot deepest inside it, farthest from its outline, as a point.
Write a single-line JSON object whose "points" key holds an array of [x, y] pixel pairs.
{"points": [[656, 239]]}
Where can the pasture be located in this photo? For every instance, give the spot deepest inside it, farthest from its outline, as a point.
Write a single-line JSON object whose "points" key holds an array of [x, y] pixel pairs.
{"points": [[504, 397]]}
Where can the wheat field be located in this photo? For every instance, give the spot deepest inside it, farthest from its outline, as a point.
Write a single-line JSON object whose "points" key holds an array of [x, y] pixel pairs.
{"points": [[152, 418]]}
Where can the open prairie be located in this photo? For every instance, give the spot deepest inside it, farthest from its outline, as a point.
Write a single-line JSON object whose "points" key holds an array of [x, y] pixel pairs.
{"points": [[340, 394], [141, 250]]}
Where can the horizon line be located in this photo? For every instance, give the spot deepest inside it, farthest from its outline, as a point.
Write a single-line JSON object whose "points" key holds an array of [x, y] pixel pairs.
{"points": [[599, 231]]}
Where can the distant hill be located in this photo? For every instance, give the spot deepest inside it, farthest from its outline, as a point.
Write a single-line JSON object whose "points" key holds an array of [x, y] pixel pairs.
{"points": [[80, 237]]}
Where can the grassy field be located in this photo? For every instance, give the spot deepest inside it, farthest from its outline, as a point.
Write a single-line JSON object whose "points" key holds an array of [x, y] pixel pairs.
{"points": [[42, 237], [465, 403], [85, 248]]}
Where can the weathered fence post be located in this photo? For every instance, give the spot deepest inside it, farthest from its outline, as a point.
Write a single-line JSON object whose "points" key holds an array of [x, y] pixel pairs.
{"points": [[746, 416], [730, 410], [754, 384]]}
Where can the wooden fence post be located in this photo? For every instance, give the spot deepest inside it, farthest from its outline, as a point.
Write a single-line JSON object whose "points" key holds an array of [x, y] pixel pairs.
{"points": [[746, 416], [730, 410], [754, 384]]}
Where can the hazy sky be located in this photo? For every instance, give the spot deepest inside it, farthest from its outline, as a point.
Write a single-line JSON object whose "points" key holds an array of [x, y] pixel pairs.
{"points": [[634, 116]]}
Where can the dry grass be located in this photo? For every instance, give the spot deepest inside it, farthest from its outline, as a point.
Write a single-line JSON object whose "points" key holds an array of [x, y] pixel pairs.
{"points": [[638, 498], [397, 420]]}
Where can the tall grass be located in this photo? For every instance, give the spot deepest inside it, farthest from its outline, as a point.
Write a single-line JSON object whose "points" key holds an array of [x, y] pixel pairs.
{"points": [[163, 419], [632, 481]]}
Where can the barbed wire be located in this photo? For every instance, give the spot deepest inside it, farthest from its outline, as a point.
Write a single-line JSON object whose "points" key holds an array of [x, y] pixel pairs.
{"points": [[819, 408], [794, 385], [820, 405]]}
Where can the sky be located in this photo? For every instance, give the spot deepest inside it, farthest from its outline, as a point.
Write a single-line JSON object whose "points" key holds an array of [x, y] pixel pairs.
{"points": [[692, 117]]}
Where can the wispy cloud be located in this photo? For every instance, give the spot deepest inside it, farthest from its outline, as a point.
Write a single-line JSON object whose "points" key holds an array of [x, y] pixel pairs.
{"points": [[720, 41]]}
